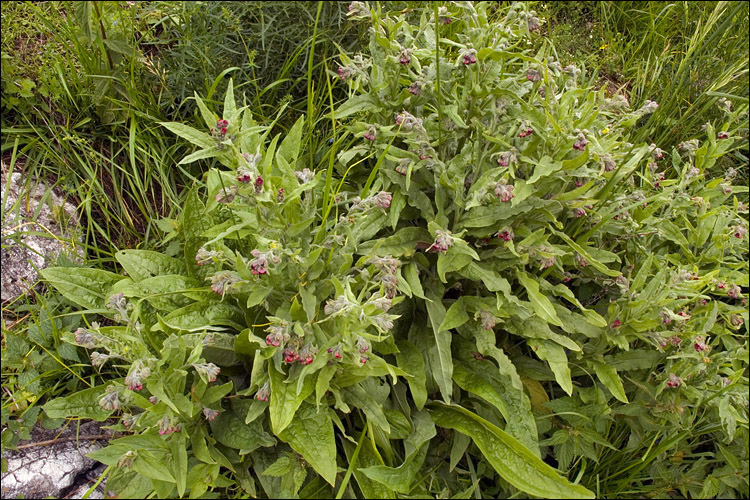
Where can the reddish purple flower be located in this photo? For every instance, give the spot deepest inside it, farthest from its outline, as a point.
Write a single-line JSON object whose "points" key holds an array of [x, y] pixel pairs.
{"points": [[579, 212], [735, 292], [673, 381], [382, 199], [210, 414], [405, 57], [263, 392], [470, 57], [722, 135], [371, 133], [616, 324], [506, 234], [362, 344], [700, 344], [335, 350]]}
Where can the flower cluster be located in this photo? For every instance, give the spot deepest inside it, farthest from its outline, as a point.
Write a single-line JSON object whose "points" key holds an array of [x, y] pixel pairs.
{"points": [[259, 265], [506, 234], [443, 241], [111, 398], [504, 191], [167, 425], [304, 176], [263, 393], [358, 11], [405, 57], [208, 371], [470, 57], [581, 142], [202, 256], [223, 281], [278, 333], [219, 132], [137, 374], [507, 157]]}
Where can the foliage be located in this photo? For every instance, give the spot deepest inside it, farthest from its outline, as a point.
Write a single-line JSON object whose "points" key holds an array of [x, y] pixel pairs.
{"points": [[486, 260]]}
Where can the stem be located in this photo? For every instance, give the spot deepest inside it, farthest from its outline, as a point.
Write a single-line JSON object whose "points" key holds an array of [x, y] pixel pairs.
{"points": [[65, 440], [352, 463]]}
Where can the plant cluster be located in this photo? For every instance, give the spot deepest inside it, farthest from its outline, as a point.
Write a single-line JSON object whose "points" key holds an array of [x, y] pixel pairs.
{"points": [[493, 289]]}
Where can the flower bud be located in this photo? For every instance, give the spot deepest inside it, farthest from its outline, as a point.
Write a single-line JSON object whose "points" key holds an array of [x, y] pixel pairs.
{"points": [[210, 414], [470, 57], [443, 241], [305, 175], [488, 320], [734, 292], [504, 191], [138, 372], [362, 345], [506, 234], [111, 398], [207, 371], [86, 338], [382, 199], [673, 381], [263, 393], [167, 425], [335, 351], [405, 57]]}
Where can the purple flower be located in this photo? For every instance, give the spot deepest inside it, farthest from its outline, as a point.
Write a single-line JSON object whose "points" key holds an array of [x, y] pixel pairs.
{"points": [[673, 381], [210, 414], [735, 292], [443, 241], [579, 212], [533, 75], [504, 191], [405, 57], [362, 344], [263, 393], [138, 372], [470, 57], [722, 135], [506, 234], [382, 199], [167, 425], [335, 351], [111, 399], [207, 370], [371, 133]]}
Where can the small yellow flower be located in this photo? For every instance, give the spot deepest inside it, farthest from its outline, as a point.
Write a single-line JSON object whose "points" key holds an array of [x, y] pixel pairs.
{"points": [[604, 46], [605, 130]]}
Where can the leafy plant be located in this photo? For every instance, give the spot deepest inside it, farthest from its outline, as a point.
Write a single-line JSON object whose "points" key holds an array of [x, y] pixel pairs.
{"points": [[486, 261]]}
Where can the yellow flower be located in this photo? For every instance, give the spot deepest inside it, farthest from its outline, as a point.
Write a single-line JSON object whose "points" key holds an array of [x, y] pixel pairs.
{"points": [[605, 130], [604, 46]]}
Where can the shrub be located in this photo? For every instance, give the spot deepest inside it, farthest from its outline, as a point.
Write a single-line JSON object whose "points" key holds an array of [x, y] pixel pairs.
{"points": [[486, 253]]}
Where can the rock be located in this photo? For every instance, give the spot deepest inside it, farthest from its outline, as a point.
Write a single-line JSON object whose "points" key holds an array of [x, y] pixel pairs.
{"points": [[59, 469], [38, 224]]}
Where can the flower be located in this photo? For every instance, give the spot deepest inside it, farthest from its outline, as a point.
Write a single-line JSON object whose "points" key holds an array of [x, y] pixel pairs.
{"points": [[547, 262], [488, 320], [345, 72], [259, 184], [405, 57], [581, 142], [86, 338], [740, 231], [722, 135], [470, 57], [306, 354], [263, 392], [280, 195], [656, 153], [290, 355], [533, 75], [244, 174], [258, 265], [304, 176], [675, 340], [138, 372], [362, 344], [111, 398], [416, 88], [383, 321], [607, 162], [167, 426], [734, 292], [581, 261], [333, 306], [382, 199], [223, 281], [443, 241], [335, 350], [525, 131], [506, 234], [382, 303], [98, 359], [507, 158], [504, 191], [207, 370], [371, 133], [227, 196], [210, 414], [358, 11], [673, 381], [700, 344], [579, 212], [736, 320], [407, 121], [202, 256], [616, 323], [364, 359]]}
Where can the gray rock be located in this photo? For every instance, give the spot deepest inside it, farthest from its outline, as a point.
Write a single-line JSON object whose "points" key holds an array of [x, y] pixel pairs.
{"points": [[57, 469], [37, 224]]}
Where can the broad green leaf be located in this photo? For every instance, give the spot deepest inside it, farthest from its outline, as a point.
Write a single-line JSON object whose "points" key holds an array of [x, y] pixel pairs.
{"points": [[455, 316], [289, 147], [196, 137], [82, 404], [367, 458], [356, 104], [451, 261], [401, 244], [180, 461], [539, 302], [229, 428], [543, 167], [411, 361], [508, 457], [201, 154], [671, 232], [356, 396], [89, 288], [440, 353], [554, 354], [284, 400], [537, 328], [204, 316], [411, 274], [311, 435], [401, 478], [608, 376], [162, 292], [142, 264]]}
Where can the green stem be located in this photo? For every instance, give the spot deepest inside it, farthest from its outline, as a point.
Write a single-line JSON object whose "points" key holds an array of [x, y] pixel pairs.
{"points": [[352, 463]]}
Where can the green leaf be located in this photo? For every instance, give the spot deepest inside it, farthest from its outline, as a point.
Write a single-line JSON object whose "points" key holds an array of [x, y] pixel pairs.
{"points": [[284, 400], [578, 248], [356, 104], [519, 421], [510, 459], [201, 154], [411, 274], [143, 264], [411, 361], [180, 465], [554, 354], [289, 147], [89, 288], [539, 302], [401, 244], [229, 428], [440, 353], [196, 137], [311, 435], [608, 376], [356, 396], [451, 261], [82, 404], [456, 315], [544, 166], [204, 316]]}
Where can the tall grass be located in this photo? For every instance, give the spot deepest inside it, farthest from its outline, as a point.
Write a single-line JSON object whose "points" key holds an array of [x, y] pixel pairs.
{"points": [[684, 55]]}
